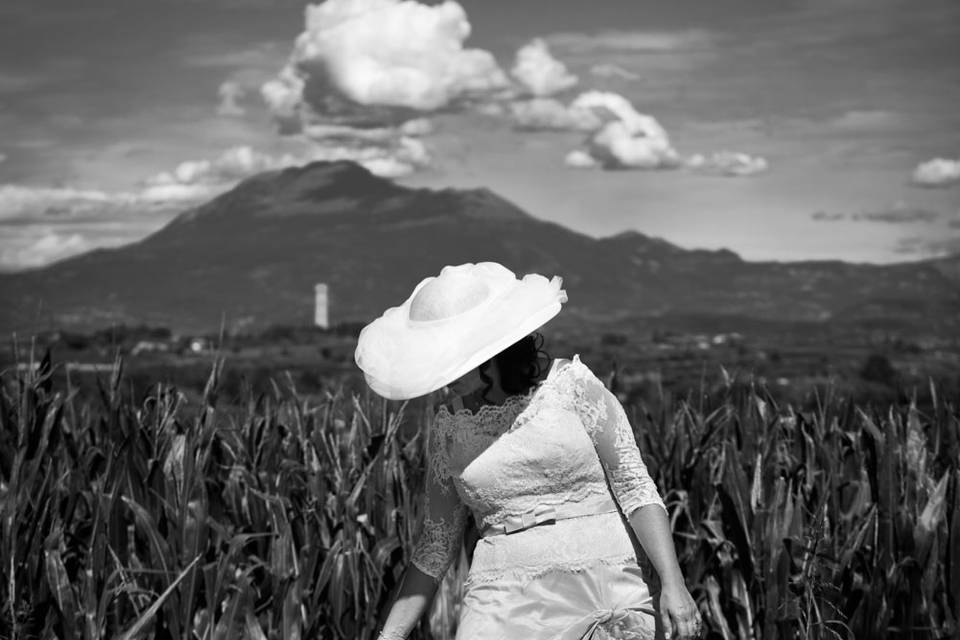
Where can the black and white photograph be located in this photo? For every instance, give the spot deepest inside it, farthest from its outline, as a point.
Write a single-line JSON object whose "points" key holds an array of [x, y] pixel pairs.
{"points": [[480, 319]]}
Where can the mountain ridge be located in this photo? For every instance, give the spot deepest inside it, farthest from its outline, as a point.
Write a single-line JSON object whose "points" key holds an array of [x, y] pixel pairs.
{"points": [[254, 254]]}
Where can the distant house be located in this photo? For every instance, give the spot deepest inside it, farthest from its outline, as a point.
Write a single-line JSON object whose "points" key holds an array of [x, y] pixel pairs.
{"points": [[149, 346]]}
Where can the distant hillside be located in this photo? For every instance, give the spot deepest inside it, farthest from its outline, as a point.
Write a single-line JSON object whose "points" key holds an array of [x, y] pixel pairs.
{"points": [[253, 255]]}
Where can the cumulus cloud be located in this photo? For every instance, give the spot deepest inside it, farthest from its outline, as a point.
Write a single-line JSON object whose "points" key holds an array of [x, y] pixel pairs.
{"points": [[539, 72], [551, 114], [620, 137], [727, 163], [230, 94], [580, 159], [628, 139], [390, 53], [284, 97], [613, 71], [939, 172]]}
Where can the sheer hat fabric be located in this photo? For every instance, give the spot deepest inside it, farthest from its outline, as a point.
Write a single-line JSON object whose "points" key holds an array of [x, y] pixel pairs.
{"points": [[452, 323]]}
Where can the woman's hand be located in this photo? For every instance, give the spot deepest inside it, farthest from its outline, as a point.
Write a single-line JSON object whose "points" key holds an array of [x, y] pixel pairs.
{"points": [[678, 613]]}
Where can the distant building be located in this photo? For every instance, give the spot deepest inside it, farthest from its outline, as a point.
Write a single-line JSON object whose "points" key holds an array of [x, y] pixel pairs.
{"points": [[149, 345], [321, 311]]}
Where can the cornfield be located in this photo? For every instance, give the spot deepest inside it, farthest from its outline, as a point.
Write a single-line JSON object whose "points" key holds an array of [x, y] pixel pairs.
{"points": [[294, 517]]}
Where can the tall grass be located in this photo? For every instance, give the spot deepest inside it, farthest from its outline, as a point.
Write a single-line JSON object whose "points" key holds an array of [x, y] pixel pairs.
{"points": [[294, 517], [842, 522]]}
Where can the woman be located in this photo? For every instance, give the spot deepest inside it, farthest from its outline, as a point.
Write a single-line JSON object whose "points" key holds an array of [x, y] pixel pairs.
{"points": [[546, 461]]}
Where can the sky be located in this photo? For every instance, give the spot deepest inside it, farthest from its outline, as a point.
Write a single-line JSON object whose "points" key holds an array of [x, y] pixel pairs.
{"points": [[780, 129]]}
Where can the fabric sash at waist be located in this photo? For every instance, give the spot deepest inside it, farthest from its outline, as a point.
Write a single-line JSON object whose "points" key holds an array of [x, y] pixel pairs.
{"points": [[548, 513]]}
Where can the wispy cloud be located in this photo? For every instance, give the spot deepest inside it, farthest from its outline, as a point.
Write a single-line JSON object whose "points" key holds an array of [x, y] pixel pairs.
{"points": [[899, 213], [827, 216], [43, 224], [214, 53], [386, 153], [727, 163], [549, 114], [246, 68], [905, 215], [230, 95], [607, 70], [203, 177], [19, 201], [40, 225], [635, 41], [929, 247], [41, 248], [866, 120], [18, 82]]}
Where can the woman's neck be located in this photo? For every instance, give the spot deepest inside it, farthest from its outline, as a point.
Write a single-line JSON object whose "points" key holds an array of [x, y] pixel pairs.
{"points": [[476, 399]]}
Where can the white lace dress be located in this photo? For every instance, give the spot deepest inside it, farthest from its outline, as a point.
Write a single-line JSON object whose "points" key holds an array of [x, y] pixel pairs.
{"points": [[556, 560]]}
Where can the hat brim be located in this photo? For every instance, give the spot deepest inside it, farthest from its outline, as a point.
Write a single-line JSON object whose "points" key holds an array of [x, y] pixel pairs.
{"points": [[402, 359]]}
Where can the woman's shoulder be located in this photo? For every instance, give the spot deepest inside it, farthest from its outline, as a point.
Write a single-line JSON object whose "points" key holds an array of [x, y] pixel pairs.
{"points": [[569, 366], [573, 373]]}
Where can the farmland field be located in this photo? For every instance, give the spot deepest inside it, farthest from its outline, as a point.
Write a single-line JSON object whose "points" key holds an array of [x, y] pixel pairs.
{"points": [[148, 512]]}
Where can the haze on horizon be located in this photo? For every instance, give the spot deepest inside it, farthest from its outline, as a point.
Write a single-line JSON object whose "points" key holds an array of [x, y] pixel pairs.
{"points": [[815, 129]]}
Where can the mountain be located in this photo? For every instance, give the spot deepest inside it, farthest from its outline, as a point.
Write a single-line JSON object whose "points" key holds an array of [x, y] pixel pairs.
{"points": [[253, 255]]}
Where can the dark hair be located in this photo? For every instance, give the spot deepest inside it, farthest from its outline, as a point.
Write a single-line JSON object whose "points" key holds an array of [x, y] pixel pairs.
{"points": [[520, 366]]}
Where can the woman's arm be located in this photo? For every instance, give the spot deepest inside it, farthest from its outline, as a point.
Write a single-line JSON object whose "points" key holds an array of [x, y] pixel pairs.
{"points": [[439, 541], [416, 592], [678, 611], [606, 422], [653, 531]]}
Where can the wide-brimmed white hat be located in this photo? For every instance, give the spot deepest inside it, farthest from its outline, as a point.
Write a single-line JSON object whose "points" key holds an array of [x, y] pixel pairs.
{"points": [[453, 323]]}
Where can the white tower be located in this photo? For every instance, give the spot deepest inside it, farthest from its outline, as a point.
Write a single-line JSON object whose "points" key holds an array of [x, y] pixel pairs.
{"points": [[321, 314]]}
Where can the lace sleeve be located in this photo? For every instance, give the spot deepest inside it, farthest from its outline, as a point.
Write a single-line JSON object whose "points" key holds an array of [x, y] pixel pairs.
{"points": [[444, 515], [606, 422]]}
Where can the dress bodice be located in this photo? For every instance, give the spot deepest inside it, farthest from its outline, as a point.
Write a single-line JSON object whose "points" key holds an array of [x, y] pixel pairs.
{"points": [[560, 444]]}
